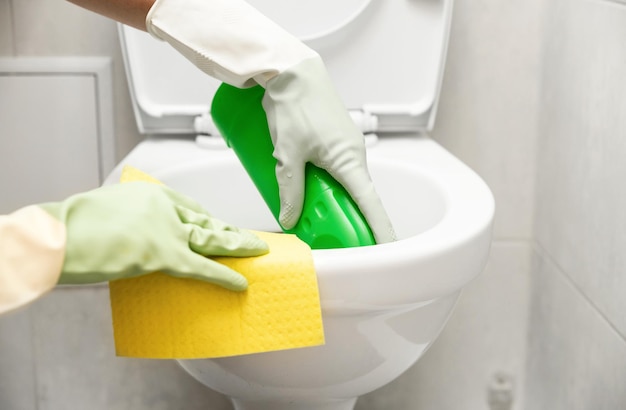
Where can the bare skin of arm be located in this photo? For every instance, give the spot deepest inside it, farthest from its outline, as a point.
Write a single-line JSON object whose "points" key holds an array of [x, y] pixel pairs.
{"points": [[129, 12]]}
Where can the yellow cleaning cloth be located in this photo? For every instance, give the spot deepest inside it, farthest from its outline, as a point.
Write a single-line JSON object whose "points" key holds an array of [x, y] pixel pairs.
{"points": [[158, 316]]}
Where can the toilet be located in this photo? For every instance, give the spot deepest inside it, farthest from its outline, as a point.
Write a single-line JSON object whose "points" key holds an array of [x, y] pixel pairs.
{"points": [[383, 306]]}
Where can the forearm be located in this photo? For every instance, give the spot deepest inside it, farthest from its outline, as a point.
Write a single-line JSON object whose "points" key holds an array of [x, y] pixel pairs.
{"points": [[129, 12], [32, 248]]}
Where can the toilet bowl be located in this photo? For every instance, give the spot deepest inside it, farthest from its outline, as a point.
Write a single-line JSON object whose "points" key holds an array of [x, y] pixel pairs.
{"points": [[383, 305]]}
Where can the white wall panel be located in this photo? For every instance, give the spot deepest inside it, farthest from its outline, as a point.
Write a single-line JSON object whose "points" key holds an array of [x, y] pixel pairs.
{"points": [[55, 132]]}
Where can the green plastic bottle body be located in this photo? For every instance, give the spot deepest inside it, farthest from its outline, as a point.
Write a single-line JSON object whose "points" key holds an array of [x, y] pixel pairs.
{"points": [[330, 218]]}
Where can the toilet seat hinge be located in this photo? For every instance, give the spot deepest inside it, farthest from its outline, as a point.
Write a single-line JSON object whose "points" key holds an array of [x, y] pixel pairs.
{"points": [[207, 134], [203, 125]]}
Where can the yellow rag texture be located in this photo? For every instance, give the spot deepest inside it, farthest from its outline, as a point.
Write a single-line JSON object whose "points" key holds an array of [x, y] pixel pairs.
{"points": [[158, 316]]}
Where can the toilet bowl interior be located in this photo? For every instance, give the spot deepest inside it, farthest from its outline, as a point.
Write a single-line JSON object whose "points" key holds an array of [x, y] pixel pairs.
{"points": [[414, 202]]}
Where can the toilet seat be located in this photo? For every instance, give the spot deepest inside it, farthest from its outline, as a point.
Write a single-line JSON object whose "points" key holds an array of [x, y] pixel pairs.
{"points": [[385, 57]]}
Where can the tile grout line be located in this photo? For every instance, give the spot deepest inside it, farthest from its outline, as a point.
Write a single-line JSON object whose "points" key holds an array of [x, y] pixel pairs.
{"points": [[545, 254]]}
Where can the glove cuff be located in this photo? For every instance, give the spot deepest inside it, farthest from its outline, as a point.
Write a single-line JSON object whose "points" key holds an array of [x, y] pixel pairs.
{"points": [[227, 39]]}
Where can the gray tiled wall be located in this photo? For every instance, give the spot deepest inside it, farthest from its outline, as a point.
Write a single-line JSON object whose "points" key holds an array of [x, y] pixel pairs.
{"points": [[576, 358], [578, 326], [58, 354], [489, 100]]}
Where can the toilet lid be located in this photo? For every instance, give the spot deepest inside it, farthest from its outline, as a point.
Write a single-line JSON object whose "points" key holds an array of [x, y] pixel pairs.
{"points": [[385, 57]]}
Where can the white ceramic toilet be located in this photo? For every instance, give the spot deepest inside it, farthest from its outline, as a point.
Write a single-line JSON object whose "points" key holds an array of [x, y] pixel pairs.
{"points": [[382, 305]]}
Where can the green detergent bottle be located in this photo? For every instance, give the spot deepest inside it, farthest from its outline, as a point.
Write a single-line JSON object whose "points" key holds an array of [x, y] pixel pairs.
{"points": [[330, 218]]}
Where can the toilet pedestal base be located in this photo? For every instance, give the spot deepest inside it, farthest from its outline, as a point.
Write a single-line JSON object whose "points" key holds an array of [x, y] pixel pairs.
{"points": [[294, 405]]}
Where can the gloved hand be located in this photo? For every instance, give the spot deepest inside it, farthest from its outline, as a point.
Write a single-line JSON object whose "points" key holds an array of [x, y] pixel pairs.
{"points": [[127, 230], [233, 42], [308, 123]]}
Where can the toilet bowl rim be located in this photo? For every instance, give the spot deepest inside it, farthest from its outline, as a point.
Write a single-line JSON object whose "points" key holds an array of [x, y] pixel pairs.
{"points": [[468, 200], [420, 260]]}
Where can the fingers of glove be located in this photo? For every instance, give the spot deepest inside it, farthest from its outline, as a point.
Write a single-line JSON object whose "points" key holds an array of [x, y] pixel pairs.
{"points": [[201, 268], [183, 200], [201, 218], [290, 179], [240, 243], [361, 188], [289, 157], [212, 237]]}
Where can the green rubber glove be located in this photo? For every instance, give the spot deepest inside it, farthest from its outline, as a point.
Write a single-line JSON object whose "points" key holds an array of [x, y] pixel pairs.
{"points": [[131, 229]]}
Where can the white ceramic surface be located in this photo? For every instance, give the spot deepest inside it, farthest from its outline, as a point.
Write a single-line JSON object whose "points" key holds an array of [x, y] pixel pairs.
{"points": [[407, 41], [383, 305]]}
